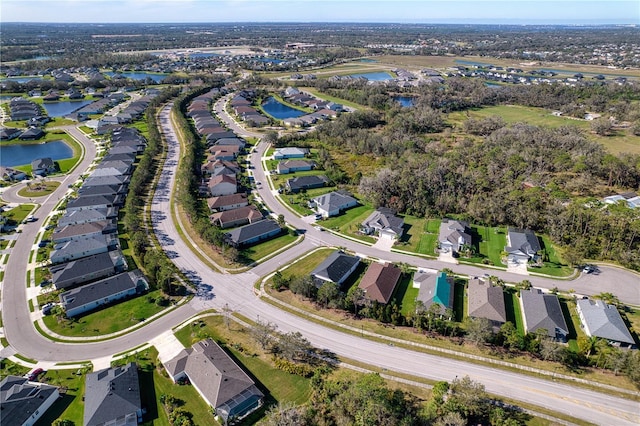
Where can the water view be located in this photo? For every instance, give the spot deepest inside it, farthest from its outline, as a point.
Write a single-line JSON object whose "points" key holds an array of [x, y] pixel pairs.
{"points": [[138, 75], [60, 109], [373, 76], [20, 154], [405, 101], [21, 79], [279, 110]]}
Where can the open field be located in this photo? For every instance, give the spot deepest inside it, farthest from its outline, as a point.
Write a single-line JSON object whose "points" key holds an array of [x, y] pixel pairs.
{"points": [[420, 235]]}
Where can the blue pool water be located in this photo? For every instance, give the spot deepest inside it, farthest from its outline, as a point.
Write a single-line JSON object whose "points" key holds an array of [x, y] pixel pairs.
{"points": [[19, 154], [405, 101], [279, 110], [60, 109], [373, 76]]}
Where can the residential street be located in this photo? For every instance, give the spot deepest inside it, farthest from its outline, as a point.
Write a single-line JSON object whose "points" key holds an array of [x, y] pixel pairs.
{"points": [[236, 292]]}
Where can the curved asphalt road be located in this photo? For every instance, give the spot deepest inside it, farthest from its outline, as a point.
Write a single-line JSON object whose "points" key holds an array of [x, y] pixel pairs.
{"points": [[236, 292]]}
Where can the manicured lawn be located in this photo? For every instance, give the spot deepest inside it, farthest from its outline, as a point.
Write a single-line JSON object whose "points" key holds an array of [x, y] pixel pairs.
{"points": [[349, 221], [553, 264], [573, 322], [4, 244], [512, 307], [19, 213], [304, 265], [299, 202], [266, 248], [39, 189], [406, 294], [459, 299], [70, 406], [420, 235], [489, 243], [110, 319]]}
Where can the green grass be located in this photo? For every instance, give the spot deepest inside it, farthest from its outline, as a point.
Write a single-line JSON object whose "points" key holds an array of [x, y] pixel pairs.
{"points": [[406, 295], [620, 141], [512, 308], [420, 235], [266, 248], [553, 263], [489, 243], [305, 264], [69, 406], [39, 189], [349, 221], [19, 213], [8, 367], [4, 244], [107, 320]]}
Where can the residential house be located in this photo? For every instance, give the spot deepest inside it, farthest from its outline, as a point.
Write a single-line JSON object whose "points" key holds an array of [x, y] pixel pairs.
{"points": [[227, 202], [106, 180], [303, 183], [95, 202], [384, 223], [88, 269], [76, 249], [240, 143], [336, 268], [542, 311], [213, 137], [112, 397], [453, 235], [222, 185], [599, 319], [10, 174], [77, 217], [630, 198], [333, 203], [218, 379], [253, 233], [23, 402], [236, 217], [32, 133], [522, 246], [84, 230], [292, 166], [8, 133], [43, 166], [103, 190], [379, 282], [91, 296], [435, 289], [486, 301], [290, 152]]}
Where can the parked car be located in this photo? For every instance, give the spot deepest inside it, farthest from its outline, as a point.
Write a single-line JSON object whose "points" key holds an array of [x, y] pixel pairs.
{"points": [[34, 374], [46, 308], [589, 269]]}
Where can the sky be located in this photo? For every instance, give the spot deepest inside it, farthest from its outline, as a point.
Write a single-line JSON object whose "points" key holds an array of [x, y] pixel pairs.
{"points": [[590, 12]]}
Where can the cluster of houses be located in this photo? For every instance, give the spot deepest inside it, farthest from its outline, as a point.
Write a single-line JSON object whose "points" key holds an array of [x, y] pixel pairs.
{"points": [[323, 110], [241, 106], [99, 106], [541, 312], [228, 203], [86, 260], [22, 109], [133, 111], [112, 396]]}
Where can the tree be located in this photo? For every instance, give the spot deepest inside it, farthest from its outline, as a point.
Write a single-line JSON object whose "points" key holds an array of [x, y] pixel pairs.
{"points": [[263, 333], [550, 350], [270, 137], [281, 220], [451, 419], [279, 281], [512, 337], [284, 414], [479, 330], [468, 398], [304, 286], [63, 422], [601, 126], [328, 293], [293, 346]]}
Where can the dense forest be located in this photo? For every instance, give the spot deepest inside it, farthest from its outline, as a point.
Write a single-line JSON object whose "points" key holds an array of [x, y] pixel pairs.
{"points": [[546, 179]]}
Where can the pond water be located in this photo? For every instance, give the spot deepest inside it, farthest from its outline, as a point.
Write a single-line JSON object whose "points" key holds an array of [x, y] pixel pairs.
{"points": [[202, 55], [279, 110], [373, 76], [367, 60], [138, 75], [60, 109], [19, 154], [405, 101]]}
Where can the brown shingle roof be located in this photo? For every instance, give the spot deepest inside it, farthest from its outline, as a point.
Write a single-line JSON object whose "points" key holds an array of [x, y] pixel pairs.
{"points": [[379, 282]]}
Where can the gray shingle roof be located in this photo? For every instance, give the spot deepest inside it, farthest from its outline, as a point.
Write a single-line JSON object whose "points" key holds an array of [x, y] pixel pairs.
{"points": [[603, 320], [384, 219], [543, 311], [524, 241], [246, 233], [73, 272], [333, 200], [223, 383], [335, 267], [486, 301], [20, 398], [112, 395], [306, 182]]}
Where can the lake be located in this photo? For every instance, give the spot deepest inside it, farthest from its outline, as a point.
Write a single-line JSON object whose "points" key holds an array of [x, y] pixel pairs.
{"points": [[373, 76], [202, 55], [20, 154], [21, 79], [60, 109], [279, 110], [138, 75], [405, 101]]}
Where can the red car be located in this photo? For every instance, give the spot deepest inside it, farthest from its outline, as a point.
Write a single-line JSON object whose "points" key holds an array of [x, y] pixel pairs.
{"points": [[34, 374]]}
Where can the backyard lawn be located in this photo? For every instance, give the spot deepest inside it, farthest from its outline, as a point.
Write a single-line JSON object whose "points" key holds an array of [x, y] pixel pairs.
{"points": [[108, 320], [420, 235], [553, 264], [349, 222], [489, 243]]}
